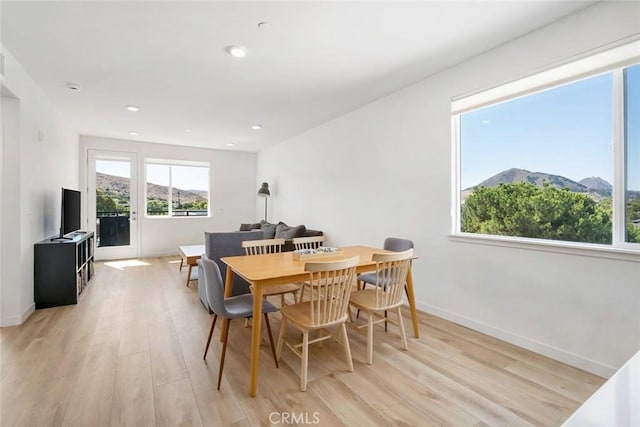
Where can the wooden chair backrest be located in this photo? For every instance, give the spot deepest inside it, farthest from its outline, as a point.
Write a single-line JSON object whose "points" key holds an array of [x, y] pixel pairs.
{"points": [[331, 283], [261, 247], [391, 277], [313, 242]]}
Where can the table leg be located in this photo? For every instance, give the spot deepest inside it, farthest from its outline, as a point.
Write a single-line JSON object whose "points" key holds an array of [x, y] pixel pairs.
{"points": [[412, 303], [228, 288], [255, 339], [181, 262], [189, 275]]}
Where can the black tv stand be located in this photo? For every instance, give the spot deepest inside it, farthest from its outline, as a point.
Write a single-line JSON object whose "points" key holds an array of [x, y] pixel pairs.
{"points": [[62, 269]]}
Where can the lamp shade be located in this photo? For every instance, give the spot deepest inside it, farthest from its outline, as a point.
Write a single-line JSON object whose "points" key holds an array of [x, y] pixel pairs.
{"points": [[264, 190]]}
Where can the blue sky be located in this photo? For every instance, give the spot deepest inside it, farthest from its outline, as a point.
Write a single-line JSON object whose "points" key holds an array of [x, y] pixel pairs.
{"points": [[563, 131]]}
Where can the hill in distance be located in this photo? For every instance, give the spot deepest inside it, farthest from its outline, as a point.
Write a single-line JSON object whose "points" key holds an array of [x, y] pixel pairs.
{"points": [[118, 187], [596, 187]]}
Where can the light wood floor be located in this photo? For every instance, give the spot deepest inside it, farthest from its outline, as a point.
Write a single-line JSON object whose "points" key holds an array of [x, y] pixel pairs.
{"points": [[130, 353]]}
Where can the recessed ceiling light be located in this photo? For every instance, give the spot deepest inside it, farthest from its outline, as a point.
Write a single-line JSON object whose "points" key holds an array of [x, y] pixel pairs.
{"points": [[262, 25], [187, 130], [74, 87], [133, 108], [256, 127], [229, 144], [237, 51], [133, 133]]}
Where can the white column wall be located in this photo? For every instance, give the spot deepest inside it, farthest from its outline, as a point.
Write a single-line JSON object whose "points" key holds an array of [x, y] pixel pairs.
{"points": [[232, 186], [41, 156], [385, 170]]}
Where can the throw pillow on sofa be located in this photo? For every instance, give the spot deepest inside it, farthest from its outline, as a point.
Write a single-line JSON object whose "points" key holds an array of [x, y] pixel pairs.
{"points": [[249, 227], [268, 229], [283, 231]]}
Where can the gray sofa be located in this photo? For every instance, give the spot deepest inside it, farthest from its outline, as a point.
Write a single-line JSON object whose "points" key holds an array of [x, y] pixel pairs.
{"points": [[218, 245], [281, 231]]}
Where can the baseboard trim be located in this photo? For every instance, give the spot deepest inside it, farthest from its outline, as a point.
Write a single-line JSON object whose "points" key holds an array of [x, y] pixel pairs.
{"points": [[558, 354], [20, 319]]}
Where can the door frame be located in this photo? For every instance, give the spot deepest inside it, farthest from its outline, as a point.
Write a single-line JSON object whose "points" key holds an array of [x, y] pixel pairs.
{"points": [[114, 252]]}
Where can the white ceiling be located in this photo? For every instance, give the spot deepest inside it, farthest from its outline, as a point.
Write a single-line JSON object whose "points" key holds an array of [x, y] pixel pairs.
{"points": [[313, 61]]}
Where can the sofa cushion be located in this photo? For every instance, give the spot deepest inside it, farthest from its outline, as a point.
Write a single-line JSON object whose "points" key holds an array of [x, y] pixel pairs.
{"points": [[283, 231], [269, 230], [249, 227]]}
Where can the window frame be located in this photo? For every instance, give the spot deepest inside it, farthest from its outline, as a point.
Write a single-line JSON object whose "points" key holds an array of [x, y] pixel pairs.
{"points": [[614, 61], [170, 163]]}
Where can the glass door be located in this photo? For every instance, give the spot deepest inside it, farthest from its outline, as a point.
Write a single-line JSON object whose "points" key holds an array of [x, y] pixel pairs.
{"points": [[112, 203]]}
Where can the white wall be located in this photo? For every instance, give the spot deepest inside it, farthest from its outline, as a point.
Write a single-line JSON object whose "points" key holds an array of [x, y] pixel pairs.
{"points": [[41, 155], [233, 192], [385, 170]]}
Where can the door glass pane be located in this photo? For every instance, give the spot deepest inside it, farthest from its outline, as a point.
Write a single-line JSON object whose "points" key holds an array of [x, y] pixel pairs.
{"points": [[158, 190], [632, 131], [113, 201]]}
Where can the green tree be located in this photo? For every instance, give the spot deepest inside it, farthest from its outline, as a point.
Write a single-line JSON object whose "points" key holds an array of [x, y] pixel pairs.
{"points": [[525, 210], [157, 207], [104, 202]]}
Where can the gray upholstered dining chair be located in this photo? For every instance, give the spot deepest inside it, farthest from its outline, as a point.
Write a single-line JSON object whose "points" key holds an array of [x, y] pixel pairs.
{"points": [[240, 306], [390, 244]]}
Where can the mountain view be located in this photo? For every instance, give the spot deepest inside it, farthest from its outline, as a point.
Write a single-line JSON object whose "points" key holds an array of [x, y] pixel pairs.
{"points": [[596, 187], [113, 194], [521, 203]]}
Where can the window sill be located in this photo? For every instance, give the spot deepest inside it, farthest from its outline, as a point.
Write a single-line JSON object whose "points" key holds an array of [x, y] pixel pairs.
{"points": [[567, 248], [160, 217]]}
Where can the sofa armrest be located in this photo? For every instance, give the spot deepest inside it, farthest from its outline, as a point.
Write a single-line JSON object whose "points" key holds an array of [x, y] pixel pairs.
{"points": [[223, 244]]}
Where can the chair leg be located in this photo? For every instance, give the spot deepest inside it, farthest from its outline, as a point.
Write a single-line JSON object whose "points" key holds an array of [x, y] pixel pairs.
{"points": [[224, 352], [283, 329], [385, 321], [213, 325], [281, 300], [364, 284], [273, 347], [301, 292], [370, 339], [347, 349], [403, 334], [305, 361]]}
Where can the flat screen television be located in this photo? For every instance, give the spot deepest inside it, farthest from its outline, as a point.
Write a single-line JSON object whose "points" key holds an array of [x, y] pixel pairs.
{"points": [[70, 212]]}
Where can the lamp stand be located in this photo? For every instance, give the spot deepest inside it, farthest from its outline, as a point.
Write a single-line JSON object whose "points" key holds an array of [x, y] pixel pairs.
{"points": [[265, 209]]}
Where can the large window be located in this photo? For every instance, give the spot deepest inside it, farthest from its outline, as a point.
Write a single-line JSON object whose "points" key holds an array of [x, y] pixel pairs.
{"points": [[176, 189], [557, 163]]}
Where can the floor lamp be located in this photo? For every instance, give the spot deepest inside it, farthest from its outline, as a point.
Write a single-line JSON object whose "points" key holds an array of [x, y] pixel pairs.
{"points": [[264, 193]]}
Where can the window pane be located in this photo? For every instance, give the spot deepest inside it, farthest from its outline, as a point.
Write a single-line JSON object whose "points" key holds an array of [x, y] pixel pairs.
{"points": [[190, 190], [157, 190], [540, 166], [632, 128]]}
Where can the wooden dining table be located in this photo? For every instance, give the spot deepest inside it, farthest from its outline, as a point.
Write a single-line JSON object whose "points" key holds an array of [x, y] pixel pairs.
{"points": [[274, 269]]}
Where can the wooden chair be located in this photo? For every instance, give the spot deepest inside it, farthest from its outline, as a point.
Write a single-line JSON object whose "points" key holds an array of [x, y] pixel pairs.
{"points": [[390, 244], [328, 306], [391, 276], [271, 246], [237, 307], [313, 242]]}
